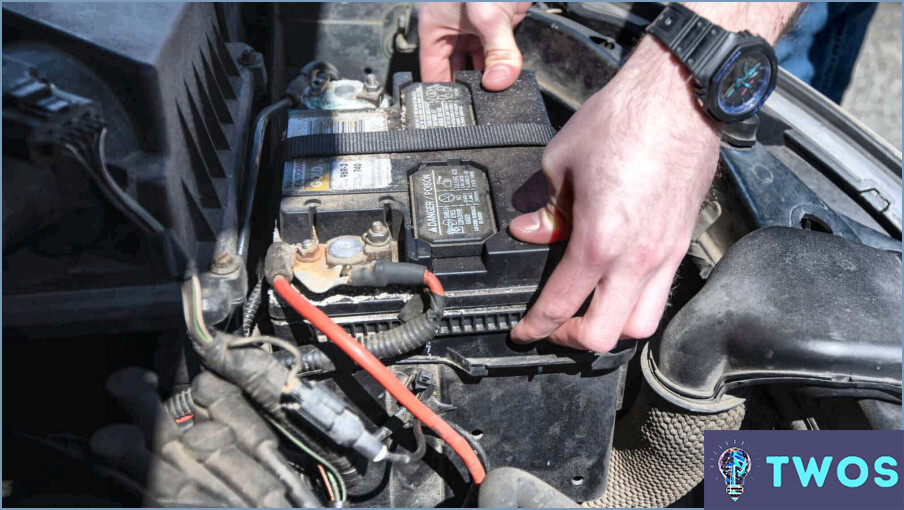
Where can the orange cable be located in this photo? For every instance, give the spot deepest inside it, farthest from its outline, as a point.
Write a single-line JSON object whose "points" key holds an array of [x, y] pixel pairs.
{"points": [[383, 375]]}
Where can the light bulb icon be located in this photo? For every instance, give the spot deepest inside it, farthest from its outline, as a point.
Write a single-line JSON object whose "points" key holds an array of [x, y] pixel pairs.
{"points": [[734, 463]]}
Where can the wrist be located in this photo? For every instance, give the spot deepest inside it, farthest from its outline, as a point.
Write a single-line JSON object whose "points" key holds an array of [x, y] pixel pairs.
{"points": [[654, 72]]}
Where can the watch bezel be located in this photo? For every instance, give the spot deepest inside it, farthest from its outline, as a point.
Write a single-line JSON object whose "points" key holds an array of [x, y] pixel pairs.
{"points": [[748, 44]]}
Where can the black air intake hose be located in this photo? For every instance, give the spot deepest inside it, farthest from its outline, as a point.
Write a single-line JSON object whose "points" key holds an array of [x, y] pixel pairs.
{"points": [[785, 306]]}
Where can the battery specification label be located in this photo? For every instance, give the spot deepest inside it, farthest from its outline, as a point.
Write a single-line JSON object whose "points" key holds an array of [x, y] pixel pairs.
{"points": [[341, 173], [305, 123], [451, 204], [437, 105]]}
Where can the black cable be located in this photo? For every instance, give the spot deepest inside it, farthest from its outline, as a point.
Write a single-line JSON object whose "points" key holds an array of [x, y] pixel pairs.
{"points": [[386, 344], [252, 305], [91, 158], [395, 342], [478, 449], [419, 451]]}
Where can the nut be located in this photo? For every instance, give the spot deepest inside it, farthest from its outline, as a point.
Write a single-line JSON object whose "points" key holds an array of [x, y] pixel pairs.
{"points": [[371, 84], [307, 251], [224, 263], [378, 235], [317, 85]]}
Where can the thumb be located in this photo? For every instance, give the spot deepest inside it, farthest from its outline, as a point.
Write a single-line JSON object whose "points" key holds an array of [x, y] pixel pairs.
{"points": [[543, 226], [502, 59]]}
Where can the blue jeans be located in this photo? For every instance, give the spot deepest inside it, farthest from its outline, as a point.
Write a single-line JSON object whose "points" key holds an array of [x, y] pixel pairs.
{"points": [[823, 46]]}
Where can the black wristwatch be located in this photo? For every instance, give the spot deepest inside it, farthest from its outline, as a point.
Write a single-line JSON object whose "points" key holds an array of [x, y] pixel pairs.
{"points": [[734, 71]]}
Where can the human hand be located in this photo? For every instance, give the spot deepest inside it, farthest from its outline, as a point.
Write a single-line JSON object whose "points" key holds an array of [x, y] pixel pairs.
{"points": [[448, 32], [627, 177]]}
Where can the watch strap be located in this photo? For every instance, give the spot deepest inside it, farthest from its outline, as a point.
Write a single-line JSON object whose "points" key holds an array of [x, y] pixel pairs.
{"points": [[688, 36]]}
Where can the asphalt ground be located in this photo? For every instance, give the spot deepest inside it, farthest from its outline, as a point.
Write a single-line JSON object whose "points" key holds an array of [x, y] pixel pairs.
{"points": [[874, 96]]}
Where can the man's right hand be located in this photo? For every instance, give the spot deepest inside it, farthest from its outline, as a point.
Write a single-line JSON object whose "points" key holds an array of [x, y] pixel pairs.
{"points": [[448, 32]]}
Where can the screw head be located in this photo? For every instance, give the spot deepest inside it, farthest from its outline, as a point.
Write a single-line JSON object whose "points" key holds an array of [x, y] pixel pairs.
{"points": [[307, 244]]}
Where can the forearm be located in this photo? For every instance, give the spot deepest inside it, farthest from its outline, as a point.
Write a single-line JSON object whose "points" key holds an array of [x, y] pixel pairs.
{"points": [[769, 20], [653, 68]]}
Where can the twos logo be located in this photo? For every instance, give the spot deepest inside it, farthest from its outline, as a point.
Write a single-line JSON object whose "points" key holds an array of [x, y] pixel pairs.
{"points": [[798, 469], [734, 463]]}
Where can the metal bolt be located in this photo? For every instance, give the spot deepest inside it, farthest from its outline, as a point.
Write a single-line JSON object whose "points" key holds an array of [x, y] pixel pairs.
{"points": [[222, 260], [307, 251], [317, 85], [371, 84], [378, 235], [224, 263]]}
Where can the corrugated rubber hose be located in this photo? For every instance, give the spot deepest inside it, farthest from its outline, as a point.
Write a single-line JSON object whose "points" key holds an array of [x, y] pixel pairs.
{"points": [[387, 344], [657, 452]]}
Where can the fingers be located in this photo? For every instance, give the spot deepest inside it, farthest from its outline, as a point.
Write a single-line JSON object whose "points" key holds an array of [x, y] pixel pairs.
{"points": [[644, 320], [626, 303], [502, 59], [434, 60], [435, 44], [543, 226], [565, 290], [601, 326]]}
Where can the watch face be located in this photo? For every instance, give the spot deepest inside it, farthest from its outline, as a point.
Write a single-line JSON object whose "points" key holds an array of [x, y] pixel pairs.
{"points": [[744, 83]]}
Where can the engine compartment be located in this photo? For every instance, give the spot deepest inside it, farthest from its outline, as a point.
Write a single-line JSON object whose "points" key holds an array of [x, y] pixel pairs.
{"points": [[161, 183]]}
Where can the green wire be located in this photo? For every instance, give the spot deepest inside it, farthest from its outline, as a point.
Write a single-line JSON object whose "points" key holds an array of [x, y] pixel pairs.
{"points": [[329, 474], [342, 494], [198, 330], [191, 297]]}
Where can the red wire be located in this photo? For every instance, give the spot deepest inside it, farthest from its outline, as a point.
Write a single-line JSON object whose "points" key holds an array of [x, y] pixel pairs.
{"points": [[433, 284], [383, 375], [326, 481]]}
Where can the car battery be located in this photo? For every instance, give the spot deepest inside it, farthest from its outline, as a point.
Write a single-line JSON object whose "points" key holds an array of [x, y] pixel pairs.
{"points": [[434, 179], [447, 208]]}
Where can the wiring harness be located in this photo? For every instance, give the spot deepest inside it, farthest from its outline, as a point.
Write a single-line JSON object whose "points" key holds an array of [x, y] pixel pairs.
{"points": [[280, 393]]}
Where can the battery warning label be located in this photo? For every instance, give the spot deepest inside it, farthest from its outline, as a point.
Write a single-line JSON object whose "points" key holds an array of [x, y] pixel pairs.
{"points": [[451, 204], [337, 174], [437, 105]]}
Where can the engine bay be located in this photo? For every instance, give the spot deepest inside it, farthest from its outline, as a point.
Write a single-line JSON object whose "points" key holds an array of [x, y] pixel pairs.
{"points": [[272, 268]]}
